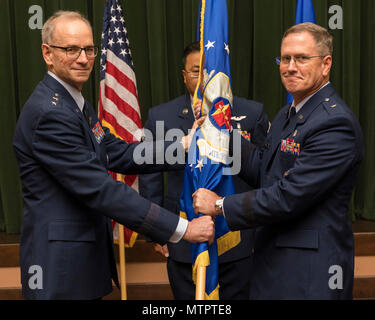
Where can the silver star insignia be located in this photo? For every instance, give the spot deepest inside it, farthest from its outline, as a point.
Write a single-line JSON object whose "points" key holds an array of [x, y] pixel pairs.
{"points": [[199, 165]]}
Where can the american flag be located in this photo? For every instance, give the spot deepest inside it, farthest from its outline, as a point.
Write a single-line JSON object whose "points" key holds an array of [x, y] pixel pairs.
{"points": [[118, 99]]}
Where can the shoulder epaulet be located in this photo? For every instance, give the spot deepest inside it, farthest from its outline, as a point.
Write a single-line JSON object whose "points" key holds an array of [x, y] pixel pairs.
{"points": [[331, 105]]}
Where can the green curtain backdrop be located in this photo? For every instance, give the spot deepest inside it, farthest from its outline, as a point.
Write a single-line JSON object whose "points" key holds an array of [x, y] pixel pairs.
{"points": [[158, 31]]}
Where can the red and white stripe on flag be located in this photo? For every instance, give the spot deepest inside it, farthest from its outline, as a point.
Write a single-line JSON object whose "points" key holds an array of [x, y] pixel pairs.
{"points": [[119, 107]]}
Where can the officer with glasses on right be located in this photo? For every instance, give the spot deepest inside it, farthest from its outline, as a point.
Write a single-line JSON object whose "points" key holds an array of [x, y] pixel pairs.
{"points": [[304, 181]]}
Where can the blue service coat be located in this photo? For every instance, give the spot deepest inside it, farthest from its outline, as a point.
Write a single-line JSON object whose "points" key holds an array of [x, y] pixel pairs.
{"points": [[177, 114], [303, 237], [70, 198]]}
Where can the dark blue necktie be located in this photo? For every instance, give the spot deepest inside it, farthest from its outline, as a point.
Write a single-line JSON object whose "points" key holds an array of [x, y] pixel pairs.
{"points": [[291, 114], [85, 112]]}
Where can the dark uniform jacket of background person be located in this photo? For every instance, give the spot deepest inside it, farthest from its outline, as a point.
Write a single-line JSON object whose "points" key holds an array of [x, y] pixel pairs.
{"points": [[178, 114], [303, 232], [70, 198]]}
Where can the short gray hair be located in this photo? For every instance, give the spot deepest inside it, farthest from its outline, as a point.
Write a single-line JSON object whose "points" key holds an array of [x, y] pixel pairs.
{"points": [[323, 39], [49, 25]]}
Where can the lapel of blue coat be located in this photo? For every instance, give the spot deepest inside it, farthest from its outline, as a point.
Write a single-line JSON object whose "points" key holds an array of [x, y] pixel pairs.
{"points": [[185, 114], [278, 133], [275, 134], [91, 122], [308, 108], [236, 112]]}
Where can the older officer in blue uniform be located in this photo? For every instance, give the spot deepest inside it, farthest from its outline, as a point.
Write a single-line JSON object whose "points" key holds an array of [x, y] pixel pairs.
{"points": [[249, 117], [304, 242], [69, 197]]}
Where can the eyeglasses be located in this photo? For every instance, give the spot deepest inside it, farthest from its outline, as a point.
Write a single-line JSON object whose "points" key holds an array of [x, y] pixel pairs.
{"points": [[299, 60], [75, 52], [192, 74]]}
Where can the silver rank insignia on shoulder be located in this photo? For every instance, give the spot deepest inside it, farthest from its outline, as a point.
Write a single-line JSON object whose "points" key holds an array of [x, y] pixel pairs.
{"points": [[56, 98]]}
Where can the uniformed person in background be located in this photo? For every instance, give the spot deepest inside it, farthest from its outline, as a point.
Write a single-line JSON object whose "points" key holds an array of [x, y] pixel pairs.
{"points": [[248, 116], [304, 182]]}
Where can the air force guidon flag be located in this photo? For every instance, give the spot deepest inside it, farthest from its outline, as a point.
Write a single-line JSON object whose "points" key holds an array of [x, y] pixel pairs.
{"points": [[208, 160], [305, 12]]}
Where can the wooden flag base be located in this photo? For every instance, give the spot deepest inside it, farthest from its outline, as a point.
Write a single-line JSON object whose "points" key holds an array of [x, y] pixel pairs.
{"points": [[200, 287], [122, 261]]}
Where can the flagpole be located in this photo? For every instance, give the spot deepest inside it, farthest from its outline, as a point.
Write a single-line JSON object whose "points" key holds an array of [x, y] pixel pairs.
{"points": [[122, 261], [200, 287]]}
